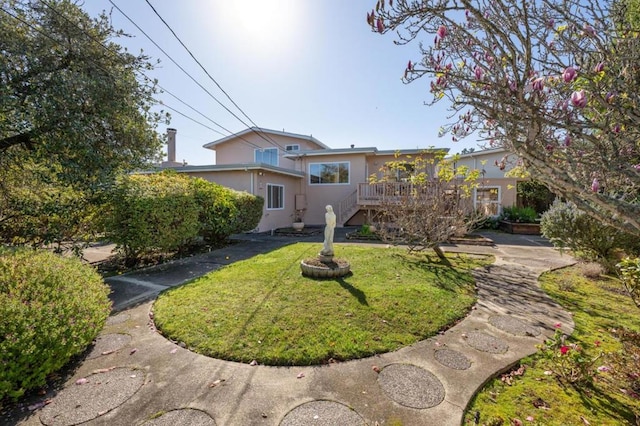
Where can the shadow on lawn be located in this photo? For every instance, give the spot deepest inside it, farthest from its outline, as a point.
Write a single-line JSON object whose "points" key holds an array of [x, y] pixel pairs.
{"points": [[355, 292]]}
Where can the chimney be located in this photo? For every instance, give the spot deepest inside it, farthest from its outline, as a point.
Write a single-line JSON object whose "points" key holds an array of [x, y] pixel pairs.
{"points": [[171, 145]]}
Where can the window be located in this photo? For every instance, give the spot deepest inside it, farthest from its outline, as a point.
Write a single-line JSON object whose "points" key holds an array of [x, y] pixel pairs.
{"points": [[329, 173], [275, 197], [293, 147], [266, 156], [487, 200]]}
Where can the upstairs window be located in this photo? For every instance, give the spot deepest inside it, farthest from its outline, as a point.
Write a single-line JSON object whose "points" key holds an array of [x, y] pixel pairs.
{"points": [[292, 147], [266, 156], [329, 173]]}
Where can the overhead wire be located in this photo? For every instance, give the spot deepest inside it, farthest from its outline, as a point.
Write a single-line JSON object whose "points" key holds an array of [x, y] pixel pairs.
{"points": [[181, 68], [261, 134], [115, 53]]}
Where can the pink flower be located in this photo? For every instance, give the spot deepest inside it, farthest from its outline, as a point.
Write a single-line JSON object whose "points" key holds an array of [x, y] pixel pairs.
{"points": [[564, 350], [557, 325], [478, 72], [579, 99], [538, 84], [599, 67], [595, 185], [616, 129], [567, 140], [603, 369], [409, 65], [442, 31], [569, 74], [597, 343], [637, 167], [588, 30], [380, 25]]}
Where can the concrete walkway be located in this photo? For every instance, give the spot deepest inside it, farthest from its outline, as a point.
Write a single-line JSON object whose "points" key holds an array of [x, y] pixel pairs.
{"points": [[133, 376]]}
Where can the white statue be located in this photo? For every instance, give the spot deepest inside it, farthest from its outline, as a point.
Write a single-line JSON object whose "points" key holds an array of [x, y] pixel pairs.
{"points": [[330, 219]]}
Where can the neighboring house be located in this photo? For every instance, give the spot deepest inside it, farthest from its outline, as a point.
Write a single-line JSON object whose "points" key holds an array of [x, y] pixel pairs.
{"points": [[494, 190], [297, 175]]}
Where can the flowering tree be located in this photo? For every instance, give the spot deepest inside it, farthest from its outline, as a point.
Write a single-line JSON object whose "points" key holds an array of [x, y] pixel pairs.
{"points": [[553, 81]]}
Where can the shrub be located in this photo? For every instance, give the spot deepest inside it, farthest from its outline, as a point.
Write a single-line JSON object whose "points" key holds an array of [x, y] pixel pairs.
{"points": [[567, 226], [51, 308], [519, 214], [629, 271], [249, 211], [149, 213], [218, 209]]}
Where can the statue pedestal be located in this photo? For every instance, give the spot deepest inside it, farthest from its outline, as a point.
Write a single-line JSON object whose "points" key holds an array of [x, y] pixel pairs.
{"points": [[319, 268], [325, 258]]}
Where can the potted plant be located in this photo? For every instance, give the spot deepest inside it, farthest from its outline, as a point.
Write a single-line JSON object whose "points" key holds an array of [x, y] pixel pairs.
{"points": [[520, 220], [298, 223]]}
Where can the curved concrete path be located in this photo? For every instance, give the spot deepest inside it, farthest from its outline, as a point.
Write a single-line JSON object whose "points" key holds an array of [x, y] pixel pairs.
{"points": [[134, 376]]}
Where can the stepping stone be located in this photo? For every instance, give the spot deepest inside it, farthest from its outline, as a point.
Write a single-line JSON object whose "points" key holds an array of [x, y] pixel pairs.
{"points": [[486, 343], [452, 359], [411, 386], [117, 319], [184, 416], [108, 343], [513, 326], [322, 413], [97, 395]]}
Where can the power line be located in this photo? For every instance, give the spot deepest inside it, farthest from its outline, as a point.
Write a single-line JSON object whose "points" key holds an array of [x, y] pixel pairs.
{"points": [[213, 79]]}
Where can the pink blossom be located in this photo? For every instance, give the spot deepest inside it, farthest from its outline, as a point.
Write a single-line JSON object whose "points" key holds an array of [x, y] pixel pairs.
{"points": [[599, 67], [616, 129], [569, 74], [603, 369], [551, 23], [637, 167], [595, 185], [588, 30], [380, 25], [597, 343], [579, 99], [557, 325], [567, 140], [478, 72], [538, 84], [564, 350], [409, 66], [610, 97], [442, 31]]}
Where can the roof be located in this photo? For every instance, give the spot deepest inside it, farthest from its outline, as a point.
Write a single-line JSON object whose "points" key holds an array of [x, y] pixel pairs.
{"points": [[230, 167], [364, 150], [260, 130], [482, 152]]}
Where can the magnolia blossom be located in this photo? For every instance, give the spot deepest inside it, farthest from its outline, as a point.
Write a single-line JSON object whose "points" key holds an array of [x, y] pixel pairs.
{"points": [[538, 84], [478, 72], [579, 99], [380, 25], [569, 74], [599, 67], [564, 350], [595, 185], [442, 31]]}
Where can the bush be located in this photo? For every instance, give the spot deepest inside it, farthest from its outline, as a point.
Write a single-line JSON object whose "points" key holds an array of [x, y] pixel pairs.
{"points": [[629, 271], [149, 213], [249, 211], [218, 210], [51, 308], [519, 214], [567, 226]]}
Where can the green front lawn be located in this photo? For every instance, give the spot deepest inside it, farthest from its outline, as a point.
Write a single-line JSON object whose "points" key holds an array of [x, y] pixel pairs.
{"points": [[263, 309], [606, 321]]}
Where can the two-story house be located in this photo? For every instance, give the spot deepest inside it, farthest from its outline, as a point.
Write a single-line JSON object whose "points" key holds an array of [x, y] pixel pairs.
{"points": [[297, 175]]}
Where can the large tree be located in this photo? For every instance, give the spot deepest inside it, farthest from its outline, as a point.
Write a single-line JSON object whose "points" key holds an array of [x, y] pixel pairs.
{"points": [[554, 81], [71, 96]]}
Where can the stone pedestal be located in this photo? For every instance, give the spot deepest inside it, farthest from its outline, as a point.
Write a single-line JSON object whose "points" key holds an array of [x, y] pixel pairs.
{"points": [[318, 268]]}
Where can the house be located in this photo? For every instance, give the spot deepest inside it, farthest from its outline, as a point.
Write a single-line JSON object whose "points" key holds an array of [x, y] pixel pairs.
{"points": [[297, 175]]}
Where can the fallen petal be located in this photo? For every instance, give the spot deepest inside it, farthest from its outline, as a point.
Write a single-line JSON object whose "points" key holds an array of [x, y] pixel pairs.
{"points": [[173, 351], [36, 406], [300, 376], [253, 363], [375, 368], [133, 351], [81, 381]]}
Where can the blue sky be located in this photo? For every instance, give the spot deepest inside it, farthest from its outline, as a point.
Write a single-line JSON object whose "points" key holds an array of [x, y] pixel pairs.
{"points": [[305, 66]]}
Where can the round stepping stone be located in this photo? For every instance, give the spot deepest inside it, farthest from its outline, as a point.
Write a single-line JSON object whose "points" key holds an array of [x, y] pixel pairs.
{"points": [[108, 343], [117, 319], [486, 343], [97, 395], [452, 359], [322, 413], [513, 326], [184, 416], [411, 386]]}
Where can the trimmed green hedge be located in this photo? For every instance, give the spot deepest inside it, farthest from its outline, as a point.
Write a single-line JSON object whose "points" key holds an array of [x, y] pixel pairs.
{"points": [[249, 211], [218, 210], [51, 308]]}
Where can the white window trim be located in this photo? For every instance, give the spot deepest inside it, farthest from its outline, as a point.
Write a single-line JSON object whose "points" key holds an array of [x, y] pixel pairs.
{"points": [[267, 148], [268, 186], [348, 163], [476, 203], [292, 147]]}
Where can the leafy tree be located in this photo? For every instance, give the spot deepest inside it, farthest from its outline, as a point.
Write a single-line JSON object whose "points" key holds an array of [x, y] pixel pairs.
{"points": [[553, 81], [71, 96], [425, 210]]}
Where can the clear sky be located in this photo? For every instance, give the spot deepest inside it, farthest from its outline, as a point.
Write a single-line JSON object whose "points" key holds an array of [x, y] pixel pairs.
{"points": [[311, 67]]}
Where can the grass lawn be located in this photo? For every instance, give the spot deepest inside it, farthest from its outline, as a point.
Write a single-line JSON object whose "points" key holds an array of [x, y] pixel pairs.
{"points": [[606, 321], [263, 309]]}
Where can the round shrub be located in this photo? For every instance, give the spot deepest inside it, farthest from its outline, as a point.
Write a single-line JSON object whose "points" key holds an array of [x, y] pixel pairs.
{"points": [[51, 308], [218, 210], [249, 211]]}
